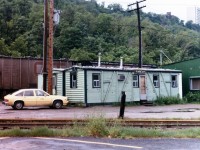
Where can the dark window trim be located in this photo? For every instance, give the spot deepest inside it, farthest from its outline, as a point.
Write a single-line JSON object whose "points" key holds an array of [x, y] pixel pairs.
{"points": [[99, 77], [73, 73], [137, 81], [176, 81], [158, 81]]}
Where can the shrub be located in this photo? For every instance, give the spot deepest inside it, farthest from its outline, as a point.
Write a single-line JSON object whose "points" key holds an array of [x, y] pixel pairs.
{"points": [[193, 97], [97, 127], [168, 100]]}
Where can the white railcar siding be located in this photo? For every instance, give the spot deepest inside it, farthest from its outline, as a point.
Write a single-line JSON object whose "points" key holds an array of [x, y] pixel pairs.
{"points": [[180, 85], [75, 94], [111, 87], [59, 88], [94, 94], [165, 86]]}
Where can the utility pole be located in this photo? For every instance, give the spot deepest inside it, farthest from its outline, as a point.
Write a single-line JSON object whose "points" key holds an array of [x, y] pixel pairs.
{"points": [[50, 51], [45, 37], [139, 29]]}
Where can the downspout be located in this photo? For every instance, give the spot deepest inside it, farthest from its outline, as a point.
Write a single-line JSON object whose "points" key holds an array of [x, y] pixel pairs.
{"points": [[85, 87], [63, 85]]}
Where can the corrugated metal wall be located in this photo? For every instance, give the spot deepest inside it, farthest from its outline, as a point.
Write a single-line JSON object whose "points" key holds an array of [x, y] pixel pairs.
{"points": [[189, 68]]}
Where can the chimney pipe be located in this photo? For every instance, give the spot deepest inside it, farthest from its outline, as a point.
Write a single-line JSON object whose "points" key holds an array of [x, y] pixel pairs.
{"points": [[121, 62], [99, 60]]}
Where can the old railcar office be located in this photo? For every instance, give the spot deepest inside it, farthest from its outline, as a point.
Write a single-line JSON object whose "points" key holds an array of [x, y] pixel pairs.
{"points": [[99, 85]]}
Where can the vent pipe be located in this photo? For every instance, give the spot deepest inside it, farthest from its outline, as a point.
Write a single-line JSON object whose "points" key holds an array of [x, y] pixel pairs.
{"points": [[121, 63], [99, 60]]}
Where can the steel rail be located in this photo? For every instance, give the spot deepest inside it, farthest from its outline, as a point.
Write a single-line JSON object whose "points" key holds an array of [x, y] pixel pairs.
{"points": [[61, 123]]}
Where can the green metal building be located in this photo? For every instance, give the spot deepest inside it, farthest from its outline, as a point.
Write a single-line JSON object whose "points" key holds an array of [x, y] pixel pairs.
{"points": [[190, 73]]}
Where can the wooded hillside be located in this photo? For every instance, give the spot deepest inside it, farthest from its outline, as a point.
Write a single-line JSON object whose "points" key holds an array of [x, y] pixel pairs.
{"points": [[87, 28]]}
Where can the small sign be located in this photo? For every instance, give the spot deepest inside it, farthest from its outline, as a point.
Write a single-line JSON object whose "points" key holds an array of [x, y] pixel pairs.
{"points": [[139, 72]]}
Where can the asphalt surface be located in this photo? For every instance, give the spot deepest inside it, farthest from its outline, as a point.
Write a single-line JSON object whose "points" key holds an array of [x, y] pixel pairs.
{"points": [[97, 144], [189, 111]]}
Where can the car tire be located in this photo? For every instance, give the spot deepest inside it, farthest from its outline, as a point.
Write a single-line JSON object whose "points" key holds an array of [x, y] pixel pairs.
{"points": [[57, 104], [18, 105]]}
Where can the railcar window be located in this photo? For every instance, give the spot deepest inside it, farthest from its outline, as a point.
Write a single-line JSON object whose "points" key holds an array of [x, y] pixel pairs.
{"points": [[96, 80], [135, 81], [73, 80], [174, 81], [156, 81]]}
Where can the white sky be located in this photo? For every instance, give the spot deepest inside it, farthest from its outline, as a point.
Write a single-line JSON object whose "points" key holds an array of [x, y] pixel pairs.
{"points": [[180, 8]]}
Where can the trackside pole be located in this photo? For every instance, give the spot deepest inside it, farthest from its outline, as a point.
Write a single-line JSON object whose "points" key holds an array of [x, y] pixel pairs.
{"points": [[122, 105]]}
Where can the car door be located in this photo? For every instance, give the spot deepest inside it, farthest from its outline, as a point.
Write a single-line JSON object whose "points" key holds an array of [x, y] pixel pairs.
{"points": [[43, 99], [29, 98]]}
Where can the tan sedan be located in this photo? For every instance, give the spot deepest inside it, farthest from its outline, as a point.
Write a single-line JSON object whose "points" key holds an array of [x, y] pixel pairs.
{"points": [[34, 97]]}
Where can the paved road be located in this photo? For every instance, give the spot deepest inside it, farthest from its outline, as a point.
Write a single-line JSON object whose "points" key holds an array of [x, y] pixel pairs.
{"points": [[97, 144], [172, 111]]}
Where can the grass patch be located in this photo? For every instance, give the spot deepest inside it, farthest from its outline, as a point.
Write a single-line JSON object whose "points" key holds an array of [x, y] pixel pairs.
{"points": [[169, 101], [97, 127], [111, 132]]}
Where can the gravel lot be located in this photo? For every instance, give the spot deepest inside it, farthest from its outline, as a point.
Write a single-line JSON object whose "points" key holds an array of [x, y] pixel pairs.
{"points": [[173, 111]]}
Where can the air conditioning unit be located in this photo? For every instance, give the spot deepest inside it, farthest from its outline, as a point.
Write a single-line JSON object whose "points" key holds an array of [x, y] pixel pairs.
{"points": [[121, 77]]}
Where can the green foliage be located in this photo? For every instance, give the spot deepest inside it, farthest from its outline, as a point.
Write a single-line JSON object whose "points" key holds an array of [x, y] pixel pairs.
{"points": [[88, 28], [97, 127], [193, 97], [3, 48], [169, 101]]}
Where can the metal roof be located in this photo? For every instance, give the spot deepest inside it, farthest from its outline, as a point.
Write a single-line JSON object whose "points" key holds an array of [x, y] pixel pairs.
{"points": [[124, 69]]}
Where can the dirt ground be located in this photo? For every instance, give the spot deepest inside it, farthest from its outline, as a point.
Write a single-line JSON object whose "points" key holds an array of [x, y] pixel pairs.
{"points": [[188, 111]]}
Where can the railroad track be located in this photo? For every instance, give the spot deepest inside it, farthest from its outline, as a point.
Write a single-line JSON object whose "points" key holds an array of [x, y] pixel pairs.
{"points": [[61, 123]]}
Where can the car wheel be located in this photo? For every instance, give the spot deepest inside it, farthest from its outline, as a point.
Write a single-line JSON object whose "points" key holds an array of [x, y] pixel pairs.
{"points": [[18, 105], [57, 104]]}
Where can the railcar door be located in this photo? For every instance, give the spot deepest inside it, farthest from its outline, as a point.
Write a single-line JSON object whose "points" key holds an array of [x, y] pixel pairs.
{"points": [[143, 95]]}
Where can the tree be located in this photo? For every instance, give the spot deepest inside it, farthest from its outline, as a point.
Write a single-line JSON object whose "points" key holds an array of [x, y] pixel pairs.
{"points": [[3, 48]]}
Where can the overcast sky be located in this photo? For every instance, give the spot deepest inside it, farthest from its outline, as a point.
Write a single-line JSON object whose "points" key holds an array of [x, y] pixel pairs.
{"points": [[180, 8]]}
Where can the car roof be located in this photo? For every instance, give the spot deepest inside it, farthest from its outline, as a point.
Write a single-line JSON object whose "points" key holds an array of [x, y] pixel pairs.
{"points": [[30, 89]]}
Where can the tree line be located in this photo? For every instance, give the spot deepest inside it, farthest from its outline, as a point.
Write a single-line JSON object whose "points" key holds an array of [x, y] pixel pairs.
{"points": [[87, 28]]}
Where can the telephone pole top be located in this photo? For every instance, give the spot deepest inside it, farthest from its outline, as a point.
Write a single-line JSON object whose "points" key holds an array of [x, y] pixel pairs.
{"points": [[139, 28]]}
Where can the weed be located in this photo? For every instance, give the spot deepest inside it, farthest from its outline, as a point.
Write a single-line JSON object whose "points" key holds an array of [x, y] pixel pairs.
{"points": [[169, 101], [97, 127], [193, 97]]}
